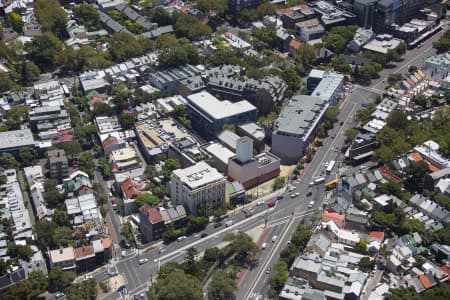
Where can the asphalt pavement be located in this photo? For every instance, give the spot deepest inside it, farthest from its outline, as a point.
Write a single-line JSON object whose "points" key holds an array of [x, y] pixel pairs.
{"points": [[280, 218]]}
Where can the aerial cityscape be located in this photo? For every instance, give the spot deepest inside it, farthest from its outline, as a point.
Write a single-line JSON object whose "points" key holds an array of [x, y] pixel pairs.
{"points": [[224, 149]]}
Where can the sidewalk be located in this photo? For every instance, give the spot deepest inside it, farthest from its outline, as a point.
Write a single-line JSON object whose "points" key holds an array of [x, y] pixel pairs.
{"points": [[259, 235]]}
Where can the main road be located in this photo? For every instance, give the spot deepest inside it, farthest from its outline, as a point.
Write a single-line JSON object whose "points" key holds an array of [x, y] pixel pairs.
{"points": [[282, 219], [255, 285]]}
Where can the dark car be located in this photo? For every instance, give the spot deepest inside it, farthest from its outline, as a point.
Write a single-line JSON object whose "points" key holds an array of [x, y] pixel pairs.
{"points": [[217, 225], [280, 197], [271, 204], [204, 234], [308, 194]]}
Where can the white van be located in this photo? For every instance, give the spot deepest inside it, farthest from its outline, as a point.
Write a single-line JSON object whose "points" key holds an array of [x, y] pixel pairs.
{"points": [[263, 246], [311, 204]]}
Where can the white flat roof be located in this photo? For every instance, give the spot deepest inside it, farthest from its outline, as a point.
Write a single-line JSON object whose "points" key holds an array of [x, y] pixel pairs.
{"points": [[219, 109], [198, 175]]}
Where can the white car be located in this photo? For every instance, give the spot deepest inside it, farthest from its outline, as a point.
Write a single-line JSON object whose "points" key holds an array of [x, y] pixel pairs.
{"points": [[181, 238], [263, 246], [143, 261], [59, 295], [274, 238], [87, 277], [259, 203]]}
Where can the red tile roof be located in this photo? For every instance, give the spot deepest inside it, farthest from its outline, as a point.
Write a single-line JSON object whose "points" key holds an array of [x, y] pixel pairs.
{"points": [[417, 157], [446, 269], [129, 189], [106, 243], [110, 140], [95, 99], [294, 44], [152, 213], [379, 235], [425, 281], [83, 251], [334, 216]]}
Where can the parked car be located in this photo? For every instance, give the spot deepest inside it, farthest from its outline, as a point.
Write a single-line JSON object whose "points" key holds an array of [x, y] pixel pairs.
{"points": [[274, 238], [143, 261], [268, 270], [87, 277], [113, 273], [280, 197], [271, 204], [59, 295], [217, 225], [308, 194], [263, 246], [204, 234]]}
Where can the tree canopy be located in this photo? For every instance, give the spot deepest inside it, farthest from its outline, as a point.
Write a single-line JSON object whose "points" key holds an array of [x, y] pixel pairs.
{"points": [[176, 285], [51, 16], [43, 49]]}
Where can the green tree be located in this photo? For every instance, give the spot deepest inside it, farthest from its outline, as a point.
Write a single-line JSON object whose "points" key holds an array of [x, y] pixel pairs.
{"points": [[127, 232], [44, 230], [150, 172], [341, 65], [72, 148], [305, 54], [62, 236], [59, 279], [212, 254], [127, 120], [51, 16], [222, 286], [28, 72], [415, 174], [196, 224], [361, 247], [60, 217], [289, 254], [86, 290], [147, 198], [279, 276], [350, 134], [366, 264], [7, 161], [190, 27], [43, 49], [87, 163], [402, 293], [162, 17], [102, 109], [266, 9], [278, 183], [14, 21], [394, 78], [88, 16], [124, 46], [217, 6], [412, 69], [27, 156], [28, 289], [384, 221], [190, 266], [176, 285], [391, 188], [242, 246], [19, 251], [178, 55], [5, 82], [169, 166]]}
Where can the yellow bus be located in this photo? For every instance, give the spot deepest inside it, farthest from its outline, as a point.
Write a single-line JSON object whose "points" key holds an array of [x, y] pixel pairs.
{"points": [[332, 184]]}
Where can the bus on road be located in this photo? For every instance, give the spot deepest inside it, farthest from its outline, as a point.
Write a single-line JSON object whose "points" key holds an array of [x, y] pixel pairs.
{"points": [[332, 184], [319, 180], [330, 166]]}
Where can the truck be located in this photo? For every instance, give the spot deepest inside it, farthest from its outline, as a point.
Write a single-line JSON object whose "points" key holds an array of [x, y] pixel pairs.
{"points": [[228, 223]]}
